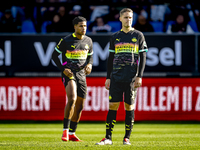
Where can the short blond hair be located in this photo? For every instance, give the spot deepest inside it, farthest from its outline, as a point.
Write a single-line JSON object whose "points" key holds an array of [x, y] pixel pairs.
{"points": [[125, 10]]}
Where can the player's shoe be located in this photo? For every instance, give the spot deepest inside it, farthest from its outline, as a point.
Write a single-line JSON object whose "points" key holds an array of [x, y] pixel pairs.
{"points": [[74, 138], [65, 136], [105, 141], [126, 141]]}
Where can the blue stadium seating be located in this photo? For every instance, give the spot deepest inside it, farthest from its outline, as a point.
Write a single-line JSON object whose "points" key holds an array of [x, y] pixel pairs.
{"points": [[157, 26], [28, 27], [44, 25], [193, 26], [116, 25], [191, 23]]}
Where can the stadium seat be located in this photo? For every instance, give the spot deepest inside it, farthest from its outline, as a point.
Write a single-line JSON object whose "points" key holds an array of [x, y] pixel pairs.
{"points": [[44, 25], [157, 26], [88, 23], [88, 29], [169, 23], [191, 23], [116, 25], [28, 27], [193, 26]]}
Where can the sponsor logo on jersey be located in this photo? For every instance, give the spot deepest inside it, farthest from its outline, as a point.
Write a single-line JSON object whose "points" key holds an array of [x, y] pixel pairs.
{"points": [[73, 46], [117, 39], [126, 48], [77, 54]]}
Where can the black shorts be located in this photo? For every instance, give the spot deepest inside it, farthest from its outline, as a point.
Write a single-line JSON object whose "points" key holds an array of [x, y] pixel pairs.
{"points": [[80, 79], [120, 89]]}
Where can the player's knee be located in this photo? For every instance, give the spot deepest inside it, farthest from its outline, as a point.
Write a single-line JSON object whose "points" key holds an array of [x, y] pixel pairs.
{"points": [[80, 104], [71, 100], [71, 103], [129, 107], [114, 105], [80, 108]]}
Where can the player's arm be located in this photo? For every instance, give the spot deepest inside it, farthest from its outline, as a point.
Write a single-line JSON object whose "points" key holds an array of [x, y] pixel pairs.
{"points": [[142, 64], [142, 56], [88, 67], [110, 63], [138, 80], [109, 69], [55, 58]]}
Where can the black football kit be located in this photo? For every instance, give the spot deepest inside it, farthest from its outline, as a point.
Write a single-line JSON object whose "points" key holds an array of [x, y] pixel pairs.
{"points": [[76, 54], [123, 64]]}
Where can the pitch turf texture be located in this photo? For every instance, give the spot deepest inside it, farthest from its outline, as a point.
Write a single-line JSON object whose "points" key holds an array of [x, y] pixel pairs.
{"points": [[145, 136]]}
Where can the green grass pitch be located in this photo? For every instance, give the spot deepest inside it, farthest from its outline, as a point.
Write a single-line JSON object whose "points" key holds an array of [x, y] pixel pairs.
{"points": [[19, 136]]}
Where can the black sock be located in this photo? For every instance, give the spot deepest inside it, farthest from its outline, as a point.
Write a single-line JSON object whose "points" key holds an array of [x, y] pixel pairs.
{"points": [[129, 123], [110, 122], [73, 126], [66, 123]]}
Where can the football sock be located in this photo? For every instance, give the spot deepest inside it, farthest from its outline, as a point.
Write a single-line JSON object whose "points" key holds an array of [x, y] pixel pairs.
{"points": [[129, 123], [110, 122], [73, 126], [66, 123]]}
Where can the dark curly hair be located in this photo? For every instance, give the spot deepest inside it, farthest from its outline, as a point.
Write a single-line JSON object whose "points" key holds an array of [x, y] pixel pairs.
{"points": [[78, 19]]}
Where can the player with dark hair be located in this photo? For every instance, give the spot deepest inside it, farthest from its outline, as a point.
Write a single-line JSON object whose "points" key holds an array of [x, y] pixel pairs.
{"points": [[124, 74], [76, 50]]}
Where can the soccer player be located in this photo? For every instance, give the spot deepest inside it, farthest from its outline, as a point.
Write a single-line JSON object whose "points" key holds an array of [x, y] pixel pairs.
{"points": [[124, 73], [76, 50]]}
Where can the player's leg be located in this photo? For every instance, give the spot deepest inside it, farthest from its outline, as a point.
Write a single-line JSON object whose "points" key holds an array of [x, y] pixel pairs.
{"points": [[129, 100], [129, 121], [110, 122], [81, 96], [78, 109], [75, 119], [71, 96], [111, 118], [69, 108], [115, 96]]}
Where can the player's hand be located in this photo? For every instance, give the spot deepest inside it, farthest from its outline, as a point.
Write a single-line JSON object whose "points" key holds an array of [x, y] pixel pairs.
{"points": [[68, 72], [138, 82], [107, 84], [88, 69]]}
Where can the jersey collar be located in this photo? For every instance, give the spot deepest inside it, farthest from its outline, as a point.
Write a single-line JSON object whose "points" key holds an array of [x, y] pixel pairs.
{"points": [[129, 31], [73, 34]]}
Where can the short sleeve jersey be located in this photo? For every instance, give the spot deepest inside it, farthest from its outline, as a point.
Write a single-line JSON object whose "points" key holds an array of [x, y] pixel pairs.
{"points": [[75, 51], [126, 48]]}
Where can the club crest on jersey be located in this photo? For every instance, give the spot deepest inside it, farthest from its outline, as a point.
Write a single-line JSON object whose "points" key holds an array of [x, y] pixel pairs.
{"points": [[86, 46], [134, 39]]}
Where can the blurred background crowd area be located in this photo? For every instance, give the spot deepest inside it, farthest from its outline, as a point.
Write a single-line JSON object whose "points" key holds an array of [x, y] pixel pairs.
{"points": [[50, 16]]}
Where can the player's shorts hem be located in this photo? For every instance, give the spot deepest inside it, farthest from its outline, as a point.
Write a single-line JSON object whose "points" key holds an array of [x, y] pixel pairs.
{"points": [[81, 85]]}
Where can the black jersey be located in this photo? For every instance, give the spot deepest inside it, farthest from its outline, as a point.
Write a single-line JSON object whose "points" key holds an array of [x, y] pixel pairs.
{"points": [[126, 48], [75, 51]]}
